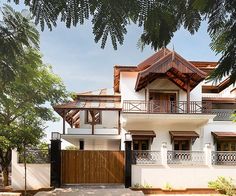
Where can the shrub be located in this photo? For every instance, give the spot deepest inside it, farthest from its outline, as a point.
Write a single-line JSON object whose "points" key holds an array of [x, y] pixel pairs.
{"points": [[223, 185]]}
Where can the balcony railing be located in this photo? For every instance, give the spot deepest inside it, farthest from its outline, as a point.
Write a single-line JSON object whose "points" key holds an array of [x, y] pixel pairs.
{"points": [[186, 157], [175, 107], [224, 158], [223, 114], [146, 157]]}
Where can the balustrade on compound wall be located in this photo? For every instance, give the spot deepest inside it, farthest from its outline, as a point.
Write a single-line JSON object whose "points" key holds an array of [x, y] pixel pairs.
{"points": [[186, 157], [146, 157]]}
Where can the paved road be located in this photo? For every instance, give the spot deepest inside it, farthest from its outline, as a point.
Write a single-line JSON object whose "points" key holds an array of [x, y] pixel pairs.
{"points": [[92, 192]]}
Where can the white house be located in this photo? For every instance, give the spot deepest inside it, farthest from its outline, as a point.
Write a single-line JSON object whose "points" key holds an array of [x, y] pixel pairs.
{"points": [[180, 125]]}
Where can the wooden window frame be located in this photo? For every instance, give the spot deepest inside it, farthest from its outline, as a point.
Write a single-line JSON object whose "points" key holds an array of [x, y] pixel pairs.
{"points": [[87, 118], [183, 139]]}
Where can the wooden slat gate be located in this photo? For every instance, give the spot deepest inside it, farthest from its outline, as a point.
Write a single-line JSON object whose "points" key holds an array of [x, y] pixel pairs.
{"points": [[92, 167]]}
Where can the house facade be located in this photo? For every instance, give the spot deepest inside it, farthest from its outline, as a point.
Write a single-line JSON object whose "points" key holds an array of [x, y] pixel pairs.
{"points": [[180, 124]]}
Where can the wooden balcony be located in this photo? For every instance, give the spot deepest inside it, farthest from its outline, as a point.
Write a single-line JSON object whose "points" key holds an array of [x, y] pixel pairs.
{"points": [[166, 107]]}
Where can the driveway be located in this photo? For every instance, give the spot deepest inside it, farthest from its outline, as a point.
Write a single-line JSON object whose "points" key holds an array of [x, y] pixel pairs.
{"points": [[91, 192]]}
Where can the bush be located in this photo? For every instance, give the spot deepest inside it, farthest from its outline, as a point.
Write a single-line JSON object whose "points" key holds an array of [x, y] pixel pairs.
{"points": [[223, 185]]}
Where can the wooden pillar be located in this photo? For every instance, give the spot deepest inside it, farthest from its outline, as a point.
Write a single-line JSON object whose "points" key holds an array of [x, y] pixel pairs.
{"points": [[64, 121], [93, 120], [119, 125], [188, 95]]}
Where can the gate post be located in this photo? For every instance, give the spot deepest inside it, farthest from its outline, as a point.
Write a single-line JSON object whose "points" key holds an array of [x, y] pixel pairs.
{"points": [[56, 160], [128, 160]]}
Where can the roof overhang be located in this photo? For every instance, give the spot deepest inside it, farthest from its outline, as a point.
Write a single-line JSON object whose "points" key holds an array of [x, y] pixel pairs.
{"points": [[220, 99], [218, 88], [173, 67]]}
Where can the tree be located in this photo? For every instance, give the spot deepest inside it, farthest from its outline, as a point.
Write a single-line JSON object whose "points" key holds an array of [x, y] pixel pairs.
{"points": [[158, 18], [22, 106], [16, 34]]}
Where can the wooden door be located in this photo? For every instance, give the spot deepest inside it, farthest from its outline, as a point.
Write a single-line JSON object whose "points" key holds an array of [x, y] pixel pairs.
{"points": [[162, 102], [80, 167]]}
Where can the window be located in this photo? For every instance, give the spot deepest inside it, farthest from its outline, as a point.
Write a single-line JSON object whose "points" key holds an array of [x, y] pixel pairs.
{"points": [[140, 144], [81, 145], [226, 146], [89, 117], [181, 144]]}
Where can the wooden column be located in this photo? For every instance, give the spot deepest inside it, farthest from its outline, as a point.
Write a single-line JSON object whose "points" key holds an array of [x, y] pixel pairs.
{"points": [[119, 125], [188, 95], [64, 121], [93, 120]]}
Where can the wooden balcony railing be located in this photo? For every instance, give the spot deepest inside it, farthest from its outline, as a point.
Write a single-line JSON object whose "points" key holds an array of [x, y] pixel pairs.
{"points": [[169, 107]]}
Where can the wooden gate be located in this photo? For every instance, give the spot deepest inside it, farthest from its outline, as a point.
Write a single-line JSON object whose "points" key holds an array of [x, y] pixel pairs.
{"points": [[92, 167]]}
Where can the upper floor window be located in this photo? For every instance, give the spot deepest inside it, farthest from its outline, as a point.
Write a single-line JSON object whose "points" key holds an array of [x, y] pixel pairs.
{"points": [[97, 116]]}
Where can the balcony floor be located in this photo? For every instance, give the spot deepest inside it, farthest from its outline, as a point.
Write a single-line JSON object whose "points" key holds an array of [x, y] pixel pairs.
{"points": [[128, 119]]}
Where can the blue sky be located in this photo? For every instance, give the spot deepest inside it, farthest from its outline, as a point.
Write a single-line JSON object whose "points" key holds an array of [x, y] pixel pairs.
{"points": [[83, 65]]}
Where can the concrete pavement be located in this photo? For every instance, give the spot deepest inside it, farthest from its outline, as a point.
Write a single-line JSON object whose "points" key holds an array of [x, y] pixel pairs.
{"points": [[91, 192]]}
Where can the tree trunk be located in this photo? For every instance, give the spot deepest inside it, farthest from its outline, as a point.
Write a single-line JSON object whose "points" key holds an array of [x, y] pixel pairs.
{"points": [[25, 170], [5, 176]]}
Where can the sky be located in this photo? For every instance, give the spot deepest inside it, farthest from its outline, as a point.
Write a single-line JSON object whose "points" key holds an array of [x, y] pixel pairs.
{"points": [[84, 66]]}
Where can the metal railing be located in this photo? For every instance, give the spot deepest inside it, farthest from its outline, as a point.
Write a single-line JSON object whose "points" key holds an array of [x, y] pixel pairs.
{"points": [[35, 156], [186, 157], [223, 114], [146, 157], [174, 107], [223, 157]]}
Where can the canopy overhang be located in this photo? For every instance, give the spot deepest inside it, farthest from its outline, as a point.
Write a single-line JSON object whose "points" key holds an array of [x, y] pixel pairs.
{"points": [[183, 135], [224, 136], [142, 134]]}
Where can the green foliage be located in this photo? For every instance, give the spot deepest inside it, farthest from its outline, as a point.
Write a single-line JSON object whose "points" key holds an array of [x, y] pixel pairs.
{"points": [[16, 34], [168, 187], [159, 20], [23, 98], [223, 185], [71, 147], [145, 186], [234, 117]]}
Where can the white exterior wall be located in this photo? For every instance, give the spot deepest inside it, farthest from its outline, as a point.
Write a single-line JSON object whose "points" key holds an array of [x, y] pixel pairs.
{"points": [[109, 120], [162, 133], [127, 85], [179, 177], [81, 131], [102, 145], [128, 81], [38, 175], [222, 126]]}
